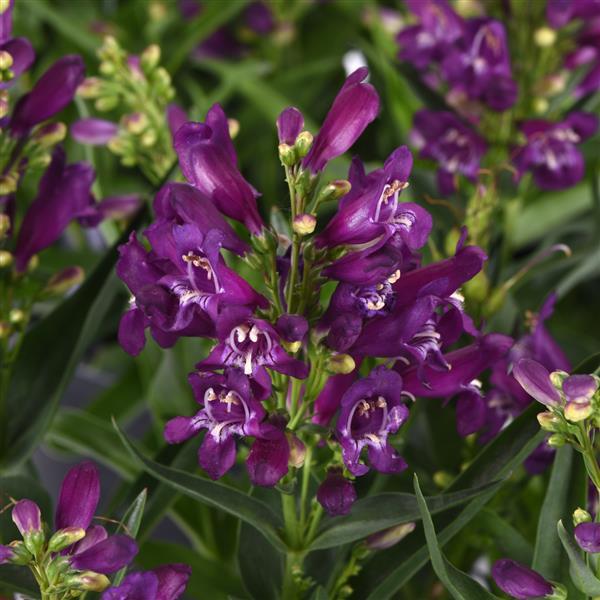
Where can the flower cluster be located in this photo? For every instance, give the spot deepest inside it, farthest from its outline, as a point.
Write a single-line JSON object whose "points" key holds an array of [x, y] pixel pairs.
{"points": [[282, 362], [468, 61], [79, 555]]}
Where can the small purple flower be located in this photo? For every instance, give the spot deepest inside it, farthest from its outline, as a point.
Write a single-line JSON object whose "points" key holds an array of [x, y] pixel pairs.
{"points": [[21, 54], [579, 391], [438, 29], [336, 494], [587, 535], [371, 410], [355, 106], [443, 137], [250, 344], [208, 161], [52, 92], [64, 193], [96, 132], [551, 152], [289, 125], [228, 410], [269, 455], [292, 328], [6, 553], [519, 581], [27, 517], [535, 380]]}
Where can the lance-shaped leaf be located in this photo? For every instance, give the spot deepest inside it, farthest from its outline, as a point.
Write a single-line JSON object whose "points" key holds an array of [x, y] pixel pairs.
{"points": [[583, 577], [242, 506]]}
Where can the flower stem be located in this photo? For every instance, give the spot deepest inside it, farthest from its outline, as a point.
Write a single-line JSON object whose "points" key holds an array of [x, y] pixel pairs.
{"points": [[305, 484]]}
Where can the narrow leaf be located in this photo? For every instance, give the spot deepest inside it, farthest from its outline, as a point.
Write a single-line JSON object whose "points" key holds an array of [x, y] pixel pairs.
{"points": [[582, 575]]}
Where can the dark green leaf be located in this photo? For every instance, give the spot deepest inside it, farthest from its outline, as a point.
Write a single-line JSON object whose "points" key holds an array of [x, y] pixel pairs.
{"points": [[547, 555], [379, 512], [17, 579], [589, 365], [244, 507], [508, 540], [582, 575], [457, 583]]}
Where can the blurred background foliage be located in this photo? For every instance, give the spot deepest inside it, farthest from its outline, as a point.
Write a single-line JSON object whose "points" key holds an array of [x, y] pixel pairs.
{"points": [[300, 63]]}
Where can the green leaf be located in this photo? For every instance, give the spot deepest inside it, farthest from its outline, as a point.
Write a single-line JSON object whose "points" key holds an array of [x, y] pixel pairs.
{"points": [[591, 364], [384, 576], [382, 511], [82, 433], [457, 583], [262, 582], [17, 579], [51, 350], [587, 269], [508, 540], [582, 575], [547, 554], [230, 500], [214, 15]]}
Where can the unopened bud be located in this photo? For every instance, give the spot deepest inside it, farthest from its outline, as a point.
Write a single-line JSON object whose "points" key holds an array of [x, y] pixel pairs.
{"points": [[389, 537], [544, 37], [442, 479], [557, 378], [304, 224], [540, 105], [234, 128], [581, 516], [6, 60], [60, 283], [6, 259], [162, 77], [556, 440], [64, 538], [287, 155], [4, 106], [341, 364], [51, 134], [334, 190], [60, 565], [150, 57], [20, 554], [578, 411], [297, 451], [135, 123], [90, 88], [303, 143], [548, 421], [88, 581], [8, 184], [106, 103], [107, 67], [16, 316], [34, 263], [4, 224], [148, 139], [34, 541]]}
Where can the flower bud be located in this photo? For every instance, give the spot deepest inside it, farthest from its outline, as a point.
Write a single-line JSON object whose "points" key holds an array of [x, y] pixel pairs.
{"points": [[33, 264], [90, 88], [51, 134], [150, 57], [88, 581], [233, 125], [107, 68], [336, 494], [442, 479], [303, 143], [60, 283], [557, 378], [6, 259], [556, 440], [304, 224], [578, 411], [581, 516], [297, 451], [148, 139], [544, 37], [8, 184], [64, 538], [341, 364], [334, 190], [59, 566], [16, 316], [106, 103], [3, 103], [548, 421], [20, 554], [135, 123], [291, 347], [6, 60], [287, 155], [540, 105], [389, 537]]}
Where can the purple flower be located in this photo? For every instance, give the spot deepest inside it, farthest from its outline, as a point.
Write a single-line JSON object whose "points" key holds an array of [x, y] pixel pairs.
{"points": [[328, 400], [6, 553], [371, 410], [27, 517], [208, 161], [518, 581], [228, 410], [439, 27], [355, 106], [372, 208], [6, 20], [551, 152], [250, 344], [64, 193], [289, 125], [176, 117], [579, 391], [52, 92], [535, 380], [587, 535], [480, 65], [96, 132], [336, 494], [167, 582], [560, 12], [21, 54], [269, 455], [443, 137], [292, 328]]}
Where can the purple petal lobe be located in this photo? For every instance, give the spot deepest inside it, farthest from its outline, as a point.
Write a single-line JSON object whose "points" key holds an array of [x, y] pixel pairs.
{"points": [[96, 132], [172, 580], [519, 581], [26, 516], [289, 124], [79, 495], [535, 380], [587, 536], [336, 494], [267, 462], [107, 556]]}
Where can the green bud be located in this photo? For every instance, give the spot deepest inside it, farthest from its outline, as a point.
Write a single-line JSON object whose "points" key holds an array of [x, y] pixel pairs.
{"points": [[442, 479], [88, 581], [303, 143], [34, 541], [135, 122], [148, 139], [8, 184], [150, 57], [297, 451], [6, 259], [557, 440], [107, 67], [51, 134], [6, 60], [65, 537], [287, 155], [106, 103], [304, 224], [581, 516], [341, 364], [548, 421], [544, 37], [578, 411], [21, 556], [233, 125], [162, 77], [557, 378], [33, 264], [291, 347], [389, 537], [333, 190], [4, 106], [90, 88], [58, 567], [16, 316]]}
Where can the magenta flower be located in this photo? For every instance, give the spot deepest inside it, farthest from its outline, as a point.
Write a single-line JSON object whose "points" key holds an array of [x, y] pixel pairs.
{"points": [[336, 494], [518, 581], [167, 582], [587, 535]]}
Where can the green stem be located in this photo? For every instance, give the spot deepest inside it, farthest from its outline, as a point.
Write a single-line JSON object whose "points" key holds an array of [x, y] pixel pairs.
{"points": [[288, 505], [305, 484], [314, 523], [293, 272], [295, 396]]}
